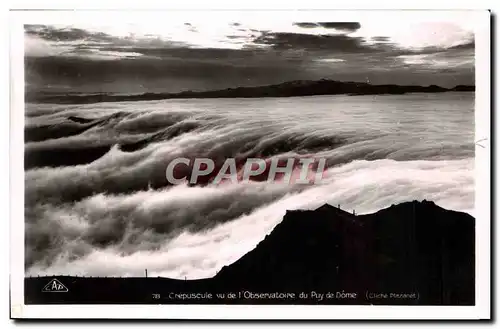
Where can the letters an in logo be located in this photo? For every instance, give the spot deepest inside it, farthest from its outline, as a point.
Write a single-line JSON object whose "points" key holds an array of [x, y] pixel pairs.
{"points": [[54, 286]]}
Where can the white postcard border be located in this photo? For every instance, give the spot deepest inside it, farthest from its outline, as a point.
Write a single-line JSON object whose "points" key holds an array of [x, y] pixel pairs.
{"points": [[482, 184]]}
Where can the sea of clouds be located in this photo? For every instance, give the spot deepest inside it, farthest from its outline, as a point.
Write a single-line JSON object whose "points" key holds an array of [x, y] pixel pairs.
{"points": [[97, 201]]}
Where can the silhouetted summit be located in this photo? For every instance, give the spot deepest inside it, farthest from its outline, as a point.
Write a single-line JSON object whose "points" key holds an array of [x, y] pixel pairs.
{"points": [[411, 253], [285, 89], [463, 88], [412, 247]]}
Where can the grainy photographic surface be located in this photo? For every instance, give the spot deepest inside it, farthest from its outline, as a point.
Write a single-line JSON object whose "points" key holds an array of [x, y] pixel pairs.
{"points": [[250, 162]]}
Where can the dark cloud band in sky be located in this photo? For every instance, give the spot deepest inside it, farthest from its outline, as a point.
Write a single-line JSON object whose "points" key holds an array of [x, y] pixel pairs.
{"points": [[76, 59], [345, 26]]}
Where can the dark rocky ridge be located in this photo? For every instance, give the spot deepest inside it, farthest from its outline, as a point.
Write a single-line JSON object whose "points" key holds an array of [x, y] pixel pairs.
{"points": [[417, 251], [286, 89], [415, 246]]}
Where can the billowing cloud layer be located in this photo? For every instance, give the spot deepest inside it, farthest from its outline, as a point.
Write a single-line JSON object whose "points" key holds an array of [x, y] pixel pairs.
{"points": [[112, 213]]}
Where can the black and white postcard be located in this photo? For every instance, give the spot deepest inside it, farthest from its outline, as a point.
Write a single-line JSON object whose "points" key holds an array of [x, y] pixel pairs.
{"points": [[309, 164]]}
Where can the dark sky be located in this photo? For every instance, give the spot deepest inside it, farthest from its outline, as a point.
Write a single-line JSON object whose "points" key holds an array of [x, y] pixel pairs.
{"points": [[191, 57]]}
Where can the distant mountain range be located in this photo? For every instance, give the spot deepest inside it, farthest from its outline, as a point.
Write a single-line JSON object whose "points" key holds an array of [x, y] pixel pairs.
{"points": [[414, 253], [286, 89]]}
